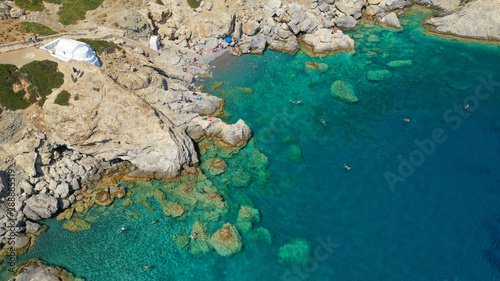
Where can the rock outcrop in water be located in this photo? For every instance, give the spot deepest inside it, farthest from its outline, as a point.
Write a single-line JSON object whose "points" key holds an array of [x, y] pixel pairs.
{"points": [[479, 19], [226, 241]]}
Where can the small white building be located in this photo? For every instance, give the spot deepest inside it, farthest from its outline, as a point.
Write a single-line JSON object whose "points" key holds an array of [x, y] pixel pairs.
{"points": [[67, 49], [154, 43]]}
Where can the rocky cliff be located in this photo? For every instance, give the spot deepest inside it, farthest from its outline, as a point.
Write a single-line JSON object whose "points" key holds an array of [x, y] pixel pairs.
{"points": [[479, 19]]}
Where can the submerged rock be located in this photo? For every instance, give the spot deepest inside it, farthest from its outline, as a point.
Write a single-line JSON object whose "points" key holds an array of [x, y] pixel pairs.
{"points": [[246, 217], [76, 225], [215, 166], [313, 66], [261, 234], [343, 92], [295, 252], [400, 63], [378, 75], [246, 90], [226, 241], [217, 85], [294, 154], [199, 244]]}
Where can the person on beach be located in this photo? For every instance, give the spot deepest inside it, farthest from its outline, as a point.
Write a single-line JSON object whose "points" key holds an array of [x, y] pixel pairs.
{"points": [[73, 78]]}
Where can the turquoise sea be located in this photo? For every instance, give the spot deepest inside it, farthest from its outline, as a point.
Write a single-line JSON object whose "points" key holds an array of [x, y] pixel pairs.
{"points": [[436, 218]]}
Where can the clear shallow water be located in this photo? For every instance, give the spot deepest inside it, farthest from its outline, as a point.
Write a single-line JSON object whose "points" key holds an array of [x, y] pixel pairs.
{"points": [[441, 223]]}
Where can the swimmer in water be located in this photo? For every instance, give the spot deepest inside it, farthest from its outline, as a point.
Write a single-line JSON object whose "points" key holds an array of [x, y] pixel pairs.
{"points": [[323, 121], [406, 120], [121, 230], [299, 101], [347, 167], [192, 236]]}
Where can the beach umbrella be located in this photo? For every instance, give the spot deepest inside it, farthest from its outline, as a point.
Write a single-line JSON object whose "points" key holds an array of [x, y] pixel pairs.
{"points": [[229, 39]]}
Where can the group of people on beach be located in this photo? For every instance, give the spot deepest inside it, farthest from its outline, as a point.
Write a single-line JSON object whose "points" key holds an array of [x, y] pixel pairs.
{"points": [[33, 39], [77, 73]]}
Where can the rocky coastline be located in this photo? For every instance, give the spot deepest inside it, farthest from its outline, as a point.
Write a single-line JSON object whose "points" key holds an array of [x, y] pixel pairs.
{"points": [[137, 107]]}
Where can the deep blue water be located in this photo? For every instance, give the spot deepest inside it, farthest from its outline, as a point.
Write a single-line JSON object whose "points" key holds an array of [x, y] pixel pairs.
{"points": [[441, 223]]}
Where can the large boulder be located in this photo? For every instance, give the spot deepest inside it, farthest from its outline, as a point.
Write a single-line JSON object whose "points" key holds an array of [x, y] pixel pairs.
{"points": [[391, 20], [16, 12], [391, 5], [323, 41], [40, 206], [226, 241], [478, 19], [346, 22], [301, 21], [350, 7], [27, 162], [35, 270]]}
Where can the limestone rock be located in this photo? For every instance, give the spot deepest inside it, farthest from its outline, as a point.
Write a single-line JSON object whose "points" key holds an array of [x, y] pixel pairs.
{"points": [[478, 19], [346, 22], [226, 241], [40, 206], [27, 162], [391, 5], [62, 190], [251, 27], [391, 20], [34, 270], [16, 12], [343, 92], [350, 7], [91, 127], [32, 227], [4, 9], [445, 5], [323, 41], [372, 10]]}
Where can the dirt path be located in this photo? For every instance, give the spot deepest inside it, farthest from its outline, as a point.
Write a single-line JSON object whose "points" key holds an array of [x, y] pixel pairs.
{"points": [[24, 56]]}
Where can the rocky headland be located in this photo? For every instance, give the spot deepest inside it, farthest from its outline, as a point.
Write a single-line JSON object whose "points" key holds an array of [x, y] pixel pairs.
{"points": [[142, 106]]}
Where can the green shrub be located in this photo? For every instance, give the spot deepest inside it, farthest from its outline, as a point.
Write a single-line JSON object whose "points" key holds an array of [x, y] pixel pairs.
{"points": [[34, 27], [159, 2], [42, 77], [74, 10], [8, 98], [62, 98], [101, 46], [30, 5], [54, 1]]}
